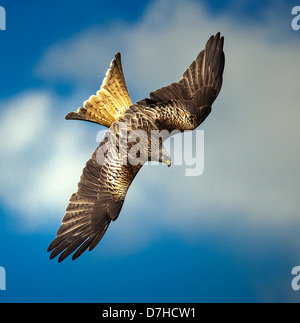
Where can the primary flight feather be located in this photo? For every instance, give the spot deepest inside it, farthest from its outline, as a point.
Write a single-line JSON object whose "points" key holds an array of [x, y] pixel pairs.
{"points": [[103, 185]]}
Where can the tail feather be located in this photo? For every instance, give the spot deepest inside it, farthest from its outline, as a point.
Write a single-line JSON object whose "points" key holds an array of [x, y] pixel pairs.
{"points": [[111, 100]]}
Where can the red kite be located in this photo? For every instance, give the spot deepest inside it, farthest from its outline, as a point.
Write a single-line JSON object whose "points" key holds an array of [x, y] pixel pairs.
{"points": [[103, 185]]}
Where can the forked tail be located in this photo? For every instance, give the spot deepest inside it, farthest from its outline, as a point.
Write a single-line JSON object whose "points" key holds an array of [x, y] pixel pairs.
{"points": [[111, 100]]}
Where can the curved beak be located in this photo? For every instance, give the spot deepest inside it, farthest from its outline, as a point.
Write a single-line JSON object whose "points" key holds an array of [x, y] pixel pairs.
{"points": [[168, 162]]}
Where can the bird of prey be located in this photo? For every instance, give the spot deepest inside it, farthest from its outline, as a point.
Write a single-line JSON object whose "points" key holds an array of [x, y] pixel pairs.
{"points": [[103, 185]]}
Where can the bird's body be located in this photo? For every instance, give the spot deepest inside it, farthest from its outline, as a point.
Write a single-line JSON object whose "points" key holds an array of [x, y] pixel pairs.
{"points": [[113, 166]]}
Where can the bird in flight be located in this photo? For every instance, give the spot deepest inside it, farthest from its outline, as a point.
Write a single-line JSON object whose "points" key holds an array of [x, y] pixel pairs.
{"points": [[103, 185]]}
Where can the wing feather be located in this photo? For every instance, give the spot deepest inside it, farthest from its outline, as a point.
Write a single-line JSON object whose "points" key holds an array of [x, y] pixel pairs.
{"points": [[97, 202], [200, 83]]}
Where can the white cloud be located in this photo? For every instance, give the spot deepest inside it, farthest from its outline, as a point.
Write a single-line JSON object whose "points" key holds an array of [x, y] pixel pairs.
{"points": [[19, 127], [39, 156], [251, 145]]}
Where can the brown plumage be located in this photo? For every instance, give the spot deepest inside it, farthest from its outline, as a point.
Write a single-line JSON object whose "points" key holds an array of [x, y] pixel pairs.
{"points": [[103, 185]]}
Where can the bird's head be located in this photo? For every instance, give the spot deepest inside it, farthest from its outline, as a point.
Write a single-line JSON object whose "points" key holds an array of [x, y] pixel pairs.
{"points": [[157, 152], [164, 157]]}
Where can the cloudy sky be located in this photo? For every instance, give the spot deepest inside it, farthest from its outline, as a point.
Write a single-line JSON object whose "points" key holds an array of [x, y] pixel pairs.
{"points": [[231, 234]]}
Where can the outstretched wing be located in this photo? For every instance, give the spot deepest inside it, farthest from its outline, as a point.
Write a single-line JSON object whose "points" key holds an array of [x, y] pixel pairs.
{"points": [[97, 202], [111, 100], [103, 185], [198, 87]]}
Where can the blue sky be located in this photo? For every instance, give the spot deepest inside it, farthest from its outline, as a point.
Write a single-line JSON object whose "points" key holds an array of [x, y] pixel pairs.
{"points": [[229, 235]]}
